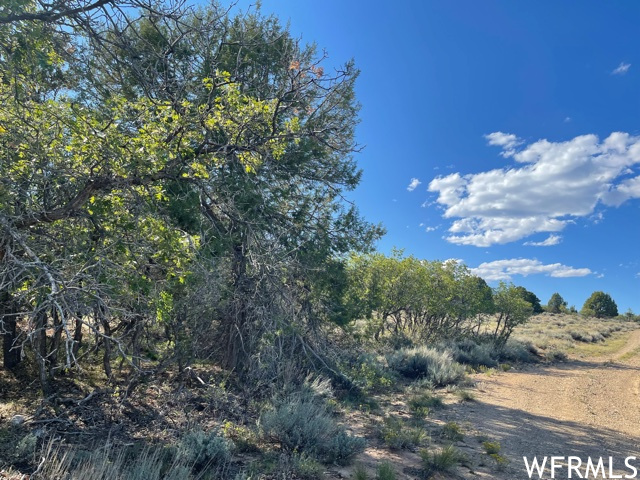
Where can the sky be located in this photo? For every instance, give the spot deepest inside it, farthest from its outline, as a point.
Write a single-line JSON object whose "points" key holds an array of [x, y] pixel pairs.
{"points": [[502, 134]]}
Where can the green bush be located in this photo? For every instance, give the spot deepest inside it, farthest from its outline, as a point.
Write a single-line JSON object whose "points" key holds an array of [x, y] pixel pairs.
{"points": [[385, 472], [360, 473], [452, 431], [301, 422], [491, 447], [204, 450], [371, 374], [442, 461], [420, 405], [397, 435], [427, 363]]}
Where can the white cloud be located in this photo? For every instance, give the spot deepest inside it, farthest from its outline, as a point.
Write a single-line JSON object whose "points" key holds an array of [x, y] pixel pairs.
{"points": [[552, 184], [505, 269], [567, 119], [430, 229], [549, 242], [507, 141], [413, 184], [621, 69]]}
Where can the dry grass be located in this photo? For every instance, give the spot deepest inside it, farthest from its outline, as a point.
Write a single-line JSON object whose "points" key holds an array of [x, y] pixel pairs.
{"points": [[575, 334]]}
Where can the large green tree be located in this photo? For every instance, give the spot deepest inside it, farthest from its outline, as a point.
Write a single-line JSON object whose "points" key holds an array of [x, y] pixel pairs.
{"points": [[155, 158], [600, 305], [556, 303]]}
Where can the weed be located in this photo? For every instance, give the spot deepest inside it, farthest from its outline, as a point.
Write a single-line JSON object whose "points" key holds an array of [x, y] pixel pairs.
{"points": [[398, 435], [466, 396], [441, 461], [491, 447], [385, 472], [452, 431], [360, 473], [420, 405], [428, 363]]}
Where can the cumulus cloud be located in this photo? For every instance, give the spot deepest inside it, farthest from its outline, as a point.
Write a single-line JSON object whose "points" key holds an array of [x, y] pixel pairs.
{"points": [[413, 184], [506, 269], [551, 185], [549, 242], [621, 69], [507, 141]]}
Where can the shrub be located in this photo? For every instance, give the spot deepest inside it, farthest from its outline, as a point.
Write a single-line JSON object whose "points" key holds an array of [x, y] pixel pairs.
{"points": [[452, 431], [298, 465], [420, 405], [301, 422], [518, 351], [491, 447], [398, 435], [110, 464], [466, 396], [360, 473], [468, 352], [371, 374], [343, 447], [204, 450], [556, 356], [441, 461], [427, 363], [385, 472]]}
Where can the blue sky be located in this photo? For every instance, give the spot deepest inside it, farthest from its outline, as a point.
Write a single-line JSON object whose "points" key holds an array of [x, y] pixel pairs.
{"points": [[519, 122]]}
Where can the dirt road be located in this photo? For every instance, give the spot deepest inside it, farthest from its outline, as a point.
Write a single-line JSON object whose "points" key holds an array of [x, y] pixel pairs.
{"points": [[585, 407]]}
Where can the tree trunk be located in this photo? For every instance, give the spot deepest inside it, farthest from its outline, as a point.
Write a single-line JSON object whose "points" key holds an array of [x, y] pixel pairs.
{"points": [[9, 331], [234, 357], [40, 349]]}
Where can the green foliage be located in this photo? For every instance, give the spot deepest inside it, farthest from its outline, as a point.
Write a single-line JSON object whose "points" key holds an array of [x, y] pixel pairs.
{"points": [[415, 297], [600, 305], [385, 471], [441, 461], [360, 473], [204, 450], [426, 363], [491, 447], [466, 395], [301, 422], [556, 304], [512, 309], [397, 434], [420, 405], [452, 431], [370, 374], [530, 297]]}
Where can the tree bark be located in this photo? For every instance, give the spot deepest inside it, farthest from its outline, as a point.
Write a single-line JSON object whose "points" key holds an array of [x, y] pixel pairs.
{"points": [[9, 330]]}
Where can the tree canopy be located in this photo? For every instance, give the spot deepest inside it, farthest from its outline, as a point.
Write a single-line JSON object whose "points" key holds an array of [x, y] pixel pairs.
{"points": [[600, 305], [556, 303], [169, 165]]}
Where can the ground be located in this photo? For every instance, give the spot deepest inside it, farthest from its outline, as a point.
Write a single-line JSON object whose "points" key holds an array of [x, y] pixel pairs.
{"points": [[586, 406]]}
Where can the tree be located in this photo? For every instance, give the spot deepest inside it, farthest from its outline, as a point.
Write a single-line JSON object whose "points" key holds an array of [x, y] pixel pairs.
{"points": [[556, 303], [162, 156], [511, 310], [600, 305], [530, 297]]}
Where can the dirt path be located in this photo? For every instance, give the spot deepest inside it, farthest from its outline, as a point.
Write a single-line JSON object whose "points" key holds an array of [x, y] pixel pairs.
{"points": [[584, 407]]}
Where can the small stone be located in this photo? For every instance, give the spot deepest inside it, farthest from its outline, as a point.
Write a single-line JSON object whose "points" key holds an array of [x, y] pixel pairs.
{"points": [[18, 420]]}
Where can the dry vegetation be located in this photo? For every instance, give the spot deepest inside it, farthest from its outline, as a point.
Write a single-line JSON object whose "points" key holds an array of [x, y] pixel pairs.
{"points": [[397, 426]]}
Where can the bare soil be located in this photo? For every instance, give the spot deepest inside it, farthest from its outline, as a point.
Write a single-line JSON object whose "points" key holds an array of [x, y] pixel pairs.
{"points": [[584, 407]]}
